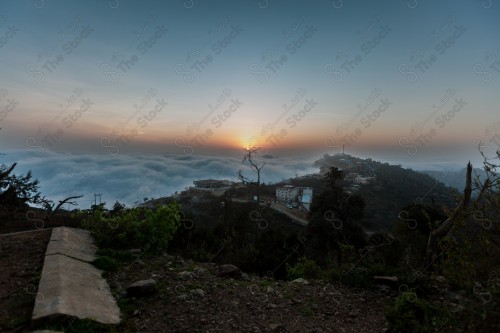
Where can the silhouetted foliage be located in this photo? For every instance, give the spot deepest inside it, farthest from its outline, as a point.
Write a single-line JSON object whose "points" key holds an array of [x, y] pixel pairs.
{"points": [[250, 156], [16, 192], [51, 208], [117, 208], [333, 221]]}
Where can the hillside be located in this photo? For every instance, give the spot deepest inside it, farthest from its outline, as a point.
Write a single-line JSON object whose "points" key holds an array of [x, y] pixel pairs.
{"points": [[392, 189], [455, 179]]}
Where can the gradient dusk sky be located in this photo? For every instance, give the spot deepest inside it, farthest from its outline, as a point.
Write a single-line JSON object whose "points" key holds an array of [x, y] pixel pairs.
{"points": [[398, 80]]}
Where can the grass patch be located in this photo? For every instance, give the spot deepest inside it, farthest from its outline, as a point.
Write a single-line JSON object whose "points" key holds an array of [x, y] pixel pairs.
{"points": [[119, 255], [106, 263], [83, 326], [306, 310]]}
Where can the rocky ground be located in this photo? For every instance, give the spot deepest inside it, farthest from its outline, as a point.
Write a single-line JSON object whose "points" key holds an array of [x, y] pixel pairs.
{"points": [[21, 261], [191, 297]]}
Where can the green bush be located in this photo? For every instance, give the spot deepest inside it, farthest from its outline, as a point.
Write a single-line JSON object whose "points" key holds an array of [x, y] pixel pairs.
{"points": [[414, 315], [352, 276], [105, 263], [118, 255], [135, 228], [304, 268]]}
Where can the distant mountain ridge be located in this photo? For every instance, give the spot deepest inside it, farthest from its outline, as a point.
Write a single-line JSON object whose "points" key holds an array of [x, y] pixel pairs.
{"points": [[393, 189], [455, 179]]}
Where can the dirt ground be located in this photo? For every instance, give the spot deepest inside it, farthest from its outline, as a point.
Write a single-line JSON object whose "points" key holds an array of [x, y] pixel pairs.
{"points": [[192, 298], [21, 262]]}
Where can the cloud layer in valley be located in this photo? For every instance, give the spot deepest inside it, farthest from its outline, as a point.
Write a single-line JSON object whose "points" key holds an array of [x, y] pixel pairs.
{"points": [[130, 178]]}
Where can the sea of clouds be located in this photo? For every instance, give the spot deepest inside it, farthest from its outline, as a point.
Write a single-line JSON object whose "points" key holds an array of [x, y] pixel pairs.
{"points": [[131, 178]]}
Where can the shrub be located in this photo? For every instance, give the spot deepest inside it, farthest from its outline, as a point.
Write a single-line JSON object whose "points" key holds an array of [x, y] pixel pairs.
{"points": [[304, 268], [118, 255], [352, 276], [105, 263], [412, 314], [136, 227], [160, 225]]}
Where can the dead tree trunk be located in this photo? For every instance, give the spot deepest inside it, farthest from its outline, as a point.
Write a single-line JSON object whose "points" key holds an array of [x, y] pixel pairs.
{"points": [[444, 229], [51, 211]]}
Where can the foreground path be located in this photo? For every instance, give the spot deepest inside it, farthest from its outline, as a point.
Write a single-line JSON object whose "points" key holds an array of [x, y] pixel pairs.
{"points": [[70, 286]]}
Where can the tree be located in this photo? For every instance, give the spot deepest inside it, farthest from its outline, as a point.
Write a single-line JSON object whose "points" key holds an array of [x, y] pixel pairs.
{"points": [[17, 191], [51, 211], [466, 246], [333, 218], [416, 221], [332, 176], [250, 157], [117, 208]]}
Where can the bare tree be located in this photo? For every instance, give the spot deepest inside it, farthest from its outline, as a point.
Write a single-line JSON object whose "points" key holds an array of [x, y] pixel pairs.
{"points": [[249, 156], [444, 229], [490, 187], [51, 211], [486, 199]]}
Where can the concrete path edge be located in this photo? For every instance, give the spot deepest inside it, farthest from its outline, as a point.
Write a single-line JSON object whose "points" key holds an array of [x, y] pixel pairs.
{"points": [[70, 286]]}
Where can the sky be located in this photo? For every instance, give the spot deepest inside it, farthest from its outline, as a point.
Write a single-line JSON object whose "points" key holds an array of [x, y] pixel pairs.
{"points": [[413, 82]]}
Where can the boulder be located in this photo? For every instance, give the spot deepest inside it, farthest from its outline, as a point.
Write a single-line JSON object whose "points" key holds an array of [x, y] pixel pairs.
{"points": [[142, 288], [276, 327], [388, 280], [300, 280], [229, 270], [186, 275], [197, 292], [246, 277]]}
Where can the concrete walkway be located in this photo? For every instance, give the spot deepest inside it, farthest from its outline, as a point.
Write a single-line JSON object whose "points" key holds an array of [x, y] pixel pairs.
{"points": [[70, 286]]}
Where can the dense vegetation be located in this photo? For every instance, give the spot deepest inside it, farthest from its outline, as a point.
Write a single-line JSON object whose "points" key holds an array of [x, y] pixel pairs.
{"points": [[141, 228]]}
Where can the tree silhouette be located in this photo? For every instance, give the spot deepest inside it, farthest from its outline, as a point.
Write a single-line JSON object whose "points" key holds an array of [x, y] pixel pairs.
{"points": [[17, 191], [117, 208], [332, 176], [249, 156], [333, 218], [51, 211]]}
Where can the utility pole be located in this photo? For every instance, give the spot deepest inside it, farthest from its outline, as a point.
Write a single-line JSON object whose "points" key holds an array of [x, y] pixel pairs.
{"points": [[95, 198]]}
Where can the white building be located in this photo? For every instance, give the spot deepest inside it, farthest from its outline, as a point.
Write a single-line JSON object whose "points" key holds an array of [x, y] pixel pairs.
{"points": [[287, 193], [305, 197], [290, 193]]}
